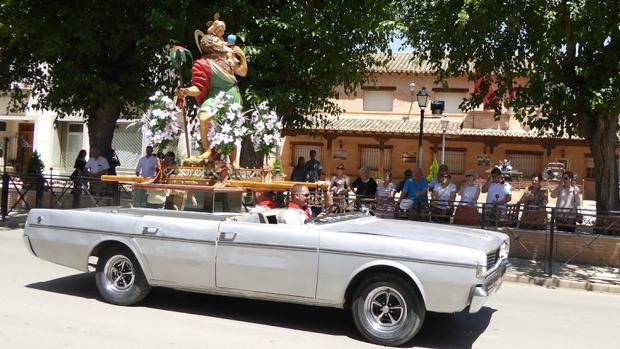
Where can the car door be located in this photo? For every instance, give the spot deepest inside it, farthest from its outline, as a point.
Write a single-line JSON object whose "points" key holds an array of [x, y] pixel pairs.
{"points": [[179, 251], [271, 258]]}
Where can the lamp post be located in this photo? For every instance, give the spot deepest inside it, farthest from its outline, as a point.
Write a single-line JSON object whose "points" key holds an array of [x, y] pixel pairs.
{"points": [[422, 97], [444, 127]]}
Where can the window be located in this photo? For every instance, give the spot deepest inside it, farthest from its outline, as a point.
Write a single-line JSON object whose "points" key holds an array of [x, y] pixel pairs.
{"points": [[452, 101], [589, 167], [127, 143], [526, 163], [371, 157], [304, 150], [455, 159], [378, 100]]}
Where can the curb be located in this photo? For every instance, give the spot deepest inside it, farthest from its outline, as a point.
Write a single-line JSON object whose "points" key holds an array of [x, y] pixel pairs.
{"points": [[555, 282]]}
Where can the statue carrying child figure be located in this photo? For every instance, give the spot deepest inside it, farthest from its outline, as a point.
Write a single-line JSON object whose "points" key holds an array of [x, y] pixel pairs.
{"points": [[212, 73]]}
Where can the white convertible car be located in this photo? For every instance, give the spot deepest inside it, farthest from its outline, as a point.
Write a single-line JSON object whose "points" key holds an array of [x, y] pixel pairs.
{"points": [[388, 272]]}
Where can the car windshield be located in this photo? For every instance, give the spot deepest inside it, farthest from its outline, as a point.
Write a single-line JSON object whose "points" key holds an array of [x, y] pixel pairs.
{"points": [[339, 217]]}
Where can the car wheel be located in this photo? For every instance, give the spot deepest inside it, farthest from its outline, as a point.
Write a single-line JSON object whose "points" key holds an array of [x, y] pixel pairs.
{"points": [[387, 310], [119, 277]]}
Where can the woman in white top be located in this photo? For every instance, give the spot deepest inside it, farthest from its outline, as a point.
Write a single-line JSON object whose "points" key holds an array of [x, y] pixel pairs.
{"points": [[467, 212], [442, 201], [339, 187], [385, 196]]}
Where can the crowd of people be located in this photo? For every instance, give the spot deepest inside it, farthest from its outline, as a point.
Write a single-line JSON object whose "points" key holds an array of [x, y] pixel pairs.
{"points": [[444, 201]]}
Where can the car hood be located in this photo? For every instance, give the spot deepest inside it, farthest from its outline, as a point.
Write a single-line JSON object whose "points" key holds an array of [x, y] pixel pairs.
{"points": [[420, 231]]}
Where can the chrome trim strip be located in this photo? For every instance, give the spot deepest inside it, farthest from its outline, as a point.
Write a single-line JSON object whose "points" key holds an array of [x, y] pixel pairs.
{"points": [[405, 259], [270, 246], [105, 232]]}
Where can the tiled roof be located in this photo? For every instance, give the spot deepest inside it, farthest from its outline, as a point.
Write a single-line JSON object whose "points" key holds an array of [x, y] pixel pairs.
{"points": [[401, 63], [406, 126]]}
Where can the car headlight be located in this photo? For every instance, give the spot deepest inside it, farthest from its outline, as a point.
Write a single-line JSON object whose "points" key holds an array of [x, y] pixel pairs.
{"points": [[481, 271], [503, 250]]}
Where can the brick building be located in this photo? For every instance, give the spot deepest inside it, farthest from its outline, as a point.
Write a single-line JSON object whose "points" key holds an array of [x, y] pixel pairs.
{"points": [[381, 123]]}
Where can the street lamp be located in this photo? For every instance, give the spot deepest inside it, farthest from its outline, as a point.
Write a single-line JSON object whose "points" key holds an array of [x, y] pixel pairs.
{"points": [[422, 97], [437, 108], [444, 127]]}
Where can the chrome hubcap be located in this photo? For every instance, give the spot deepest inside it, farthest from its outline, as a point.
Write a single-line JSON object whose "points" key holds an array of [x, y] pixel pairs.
{"points": [[119, 273], [385, 309]]}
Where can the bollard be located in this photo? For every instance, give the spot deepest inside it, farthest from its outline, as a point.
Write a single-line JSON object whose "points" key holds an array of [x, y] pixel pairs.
{"points": [[5, 195], [39, 188], [116, 194], [77, 191], [551, 242]]}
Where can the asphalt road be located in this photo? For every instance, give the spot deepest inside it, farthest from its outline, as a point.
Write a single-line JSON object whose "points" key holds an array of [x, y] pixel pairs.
{"points": [[43, 305]]}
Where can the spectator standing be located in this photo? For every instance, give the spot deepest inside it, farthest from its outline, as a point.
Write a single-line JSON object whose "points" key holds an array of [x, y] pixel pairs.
{"points": [[79, 164], [385, 194], [114, 163], [79, 168], [442, 204], [415, 196], [148, 164], [97, 165], [467, 210], [534, 202], [498, 192], [147, 167], [299, 171], [314, 169], [443, 169], [364, 186], [386, 188], [567, 202], [340, 186], [401, 184]]}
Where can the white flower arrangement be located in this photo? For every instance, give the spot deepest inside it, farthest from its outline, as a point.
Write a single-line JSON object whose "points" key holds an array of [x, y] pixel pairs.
{"points": [[159, 123], [265, 128], [229, 124]]}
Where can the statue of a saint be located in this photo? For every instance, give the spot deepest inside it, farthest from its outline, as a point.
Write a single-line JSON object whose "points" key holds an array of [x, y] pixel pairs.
{"points": [[213, 73]]}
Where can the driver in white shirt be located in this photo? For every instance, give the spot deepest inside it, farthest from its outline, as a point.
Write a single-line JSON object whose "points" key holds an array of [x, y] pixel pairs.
{"points": [[298, 211]]}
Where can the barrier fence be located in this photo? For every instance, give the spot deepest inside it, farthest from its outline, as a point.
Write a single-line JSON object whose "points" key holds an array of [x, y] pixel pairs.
{"points": [[536, 232]]}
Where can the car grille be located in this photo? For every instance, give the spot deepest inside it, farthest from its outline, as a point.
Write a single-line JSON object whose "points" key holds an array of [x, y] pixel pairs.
{"points": [[492, 258]]}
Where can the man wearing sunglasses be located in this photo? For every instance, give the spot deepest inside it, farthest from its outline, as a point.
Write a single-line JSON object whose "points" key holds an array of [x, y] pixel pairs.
{"points": [[298, 211]]}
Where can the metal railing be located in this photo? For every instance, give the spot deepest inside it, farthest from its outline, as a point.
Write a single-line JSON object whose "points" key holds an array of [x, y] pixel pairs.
{"points": [[21, 192]]}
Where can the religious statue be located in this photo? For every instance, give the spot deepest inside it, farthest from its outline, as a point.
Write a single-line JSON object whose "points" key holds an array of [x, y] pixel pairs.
{"points": [[212, 73]]}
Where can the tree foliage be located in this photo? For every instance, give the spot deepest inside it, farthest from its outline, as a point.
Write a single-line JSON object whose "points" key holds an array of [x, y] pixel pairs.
{"points": [[105, 58], [556, 62]]}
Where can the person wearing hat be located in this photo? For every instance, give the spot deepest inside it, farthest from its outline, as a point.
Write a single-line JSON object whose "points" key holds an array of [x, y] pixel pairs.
{"points": [[498, 193], [467, 211], [401, 184]]}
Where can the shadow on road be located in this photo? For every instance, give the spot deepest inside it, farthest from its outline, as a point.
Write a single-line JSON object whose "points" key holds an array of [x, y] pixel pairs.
{"points": [[458, 330]]}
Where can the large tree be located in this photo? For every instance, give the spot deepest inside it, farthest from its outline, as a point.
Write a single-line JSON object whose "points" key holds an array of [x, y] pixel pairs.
{"points": [[104, 58], [568, 51]]}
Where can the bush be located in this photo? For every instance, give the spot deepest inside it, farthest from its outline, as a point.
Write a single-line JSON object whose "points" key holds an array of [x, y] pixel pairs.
{"points": [[34, 169]]}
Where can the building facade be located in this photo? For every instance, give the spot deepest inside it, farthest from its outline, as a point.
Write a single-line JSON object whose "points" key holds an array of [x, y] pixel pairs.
{"points": [[58, 141], [380, 128]]}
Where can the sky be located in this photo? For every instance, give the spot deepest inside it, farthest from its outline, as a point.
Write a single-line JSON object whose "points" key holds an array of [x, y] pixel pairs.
{"points": [[395, 46]]}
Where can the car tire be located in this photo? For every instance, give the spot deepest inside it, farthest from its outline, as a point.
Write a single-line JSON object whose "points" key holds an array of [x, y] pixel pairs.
{"points": [[119, 277], [387, 310]]}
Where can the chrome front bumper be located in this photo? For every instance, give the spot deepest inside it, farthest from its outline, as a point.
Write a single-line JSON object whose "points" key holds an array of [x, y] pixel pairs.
{"points": [[492, 283]]}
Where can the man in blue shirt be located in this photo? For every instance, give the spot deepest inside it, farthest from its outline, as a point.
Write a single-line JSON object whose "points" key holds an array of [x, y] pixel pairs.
{"points": [[416, 191]]}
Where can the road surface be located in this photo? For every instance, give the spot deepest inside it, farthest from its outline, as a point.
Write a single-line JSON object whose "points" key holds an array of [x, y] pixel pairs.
{"points": [[43, 305]]}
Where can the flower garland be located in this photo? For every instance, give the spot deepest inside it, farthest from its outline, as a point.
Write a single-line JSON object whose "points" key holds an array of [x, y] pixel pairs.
{"points": [[159, 123], [229, 124], [266, 128]]}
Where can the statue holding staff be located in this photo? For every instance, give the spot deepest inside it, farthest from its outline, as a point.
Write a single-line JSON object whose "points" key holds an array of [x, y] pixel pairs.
{"points": [[212, 73]]}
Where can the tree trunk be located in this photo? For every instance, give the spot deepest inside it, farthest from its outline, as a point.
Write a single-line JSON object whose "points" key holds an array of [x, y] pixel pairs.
{"points": [[601, 133], [101, 126]]}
